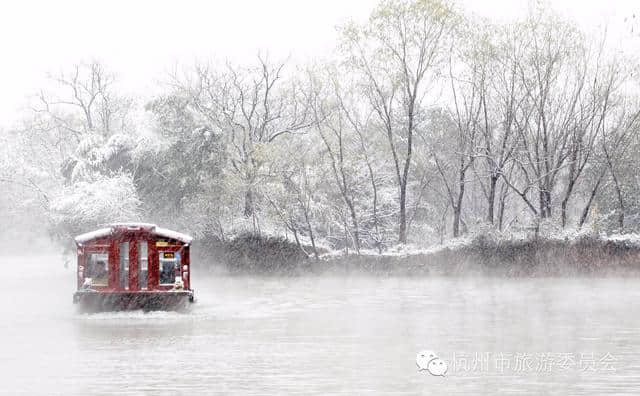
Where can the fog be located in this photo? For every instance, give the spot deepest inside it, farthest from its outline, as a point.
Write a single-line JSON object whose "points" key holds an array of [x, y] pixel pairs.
{"points": [[319, 335], [364, 197]]}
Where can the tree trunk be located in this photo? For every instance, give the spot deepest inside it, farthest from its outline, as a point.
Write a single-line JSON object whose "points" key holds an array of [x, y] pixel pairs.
{"points": [[375, 212], [491, 198], [457, 210], [620, 200], [457, 207], [402, 234], [587, 208], [354, 221], [565, 202], [541, 207], [375, 194], [346, 236], [405, 174], [313, 241], [295, 236], [456, 222], [502, 204], [544, 196], [248, 203]]}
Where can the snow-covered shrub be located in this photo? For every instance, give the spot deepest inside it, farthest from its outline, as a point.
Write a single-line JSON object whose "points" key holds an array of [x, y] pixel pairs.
{"points": [[259, 253], [85, 205], [485, 232], [96, 155]]}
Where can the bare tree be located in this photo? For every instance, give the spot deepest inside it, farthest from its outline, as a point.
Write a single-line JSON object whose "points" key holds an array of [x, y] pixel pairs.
{"points": [[303, 190], [615, 142], [87, 91], [77, 116], [499, 52], [590, 116], [251, 107], [359, 126], [396, 54], [332, 126]]}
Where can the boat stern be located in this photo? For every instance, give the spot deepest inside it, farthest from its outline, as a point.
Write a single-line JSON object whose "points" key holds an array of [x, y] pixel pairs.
{"points": [[94, 301]]}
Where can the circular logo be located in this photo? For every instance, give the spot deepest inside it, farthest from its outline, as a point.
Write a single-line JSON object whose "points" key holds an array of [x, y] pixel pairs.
{"points": [[428, 360]]}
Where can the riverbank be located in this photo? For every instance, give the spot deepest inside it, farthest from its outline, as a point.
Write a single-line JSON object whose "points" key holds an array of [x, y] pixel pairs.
{"points": [[504, 257], [483, 254]]}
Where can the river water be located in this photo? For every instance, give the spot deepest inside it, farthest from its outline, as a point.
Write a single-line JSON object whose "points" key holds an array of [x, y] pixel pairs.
{"points": [[324, 335]]}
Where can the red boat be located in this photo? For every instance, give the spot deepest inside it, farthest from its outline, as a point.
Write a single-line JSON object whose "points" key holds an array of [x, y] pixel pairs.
{"points": [[133, 266]]}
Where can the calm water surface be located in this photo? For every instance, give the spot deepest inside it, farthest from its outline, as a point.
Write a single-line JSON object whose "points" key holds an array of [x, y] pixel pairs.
{"points": [[324, 335]]}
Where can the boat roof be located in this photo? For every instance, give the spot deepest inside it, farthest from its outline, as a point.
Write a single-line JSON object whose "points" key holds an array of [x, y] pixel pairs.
{"points": [[154, 229]]}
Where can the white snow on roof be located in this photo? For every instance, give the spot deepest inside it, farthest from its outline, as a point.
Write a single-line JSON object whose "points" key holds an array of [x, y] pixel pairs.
{"points": [[133, 224], [163, 232], [88, 236], [173, 235]]}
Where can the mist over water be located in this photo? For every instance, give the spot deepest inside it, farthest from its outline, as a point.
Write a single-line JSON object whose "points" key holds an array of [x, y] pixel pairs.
{"points": [[320, 335], [425, 177]]}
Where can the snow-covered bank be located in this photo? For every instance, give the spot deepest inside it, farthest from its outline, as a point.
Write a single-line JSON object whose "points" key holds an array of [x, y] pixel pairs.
{"points": [[560, 254]]}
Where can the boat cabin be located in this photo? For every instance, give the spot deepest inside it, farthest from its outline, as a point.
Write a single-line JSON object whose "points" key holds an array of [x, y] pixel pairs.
{"points": [[133, 265]]}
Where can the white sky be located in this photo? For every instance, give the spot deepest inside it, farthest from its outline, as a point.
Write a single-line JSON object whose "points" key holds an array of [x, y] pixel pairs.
{"points": [[141, 40]]}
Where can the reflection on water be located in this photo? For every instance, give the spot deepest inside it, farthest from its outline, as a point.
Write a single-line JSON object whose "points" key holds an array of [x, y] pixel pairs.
{"points": [[319, 335]]}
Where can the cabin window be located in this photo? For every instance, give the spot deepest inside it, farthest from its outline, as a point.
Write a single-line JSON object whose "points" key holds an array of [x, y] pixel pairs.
{"points": [[143, 263], [124, 265], [169, 266], [98, 269]]}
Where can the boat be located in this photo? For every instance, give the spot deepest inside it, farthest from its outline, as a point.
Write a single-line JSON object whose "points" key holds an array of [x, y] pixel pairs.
{"points": [[133, 266]]}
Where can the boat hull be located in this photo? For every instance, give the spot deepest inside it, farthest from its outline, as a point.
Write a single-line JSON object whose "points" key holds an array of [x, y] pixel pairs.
{"points": [[93, 301]]}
